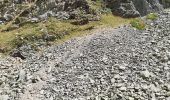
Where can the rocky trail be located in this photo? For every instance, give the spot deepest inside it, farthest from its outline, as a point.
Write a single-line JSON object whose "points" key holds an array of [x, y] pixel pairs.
{"points": [[113, 64]]}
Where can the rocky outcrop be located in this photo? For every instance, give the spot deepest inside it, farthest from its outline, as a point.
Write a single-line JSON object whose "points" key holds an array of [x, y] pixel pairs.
{"points": [[123, 8], [76, 9], [59, 8], [165, 3], [42, 9], [147, 6], [134, 8]]}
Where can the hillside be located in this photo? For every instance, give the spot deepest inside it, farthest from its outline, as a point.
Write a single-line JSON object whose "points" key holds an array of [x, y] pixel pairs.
{"points": [[110, 64], [84, 50]]}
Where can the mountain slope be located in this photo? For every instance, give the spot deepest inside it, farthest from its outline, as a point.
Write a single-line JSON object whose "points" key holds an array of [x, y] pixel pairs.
{"points": [[118, 64]]}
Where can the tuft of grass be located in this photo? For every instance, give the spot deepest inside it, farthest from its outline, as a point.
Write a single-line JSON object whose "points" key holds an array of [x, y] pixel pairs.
{"points": [[138, 24], [113, 21], [14, 38], [152, 16]]}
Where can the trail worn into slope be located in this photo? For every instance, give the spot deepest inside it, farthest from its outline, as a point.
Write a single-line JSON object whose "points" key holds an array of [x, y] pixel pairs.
{"points": [[113, 64]]}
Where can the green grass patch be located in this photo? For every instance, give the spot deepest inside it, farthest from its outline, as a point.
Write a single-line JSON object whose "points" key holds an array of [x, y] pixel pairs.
{"points": [[152, 16], [167, 1], [138, 24], [61, 30]]}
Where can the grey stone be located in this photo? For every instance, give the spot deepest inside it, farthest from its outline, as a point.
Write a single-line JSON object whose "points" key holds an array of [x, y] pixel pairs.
{"points": [[62, 15], [4, 97], [122, 88], [34, 20], [145, 74], [8, 17], [1, 22], [22, 75], [123, 8], [168, 94], [131, 98], [134, 8], [113, 80]]}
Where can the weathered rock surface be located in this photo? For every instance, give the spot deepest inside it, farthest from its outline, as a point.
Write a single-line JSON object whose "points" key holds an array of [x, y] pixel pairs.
{"points": [[165, 3], [116, 64], [76, 9], [134, 8], [147, 6], [42, 9]]}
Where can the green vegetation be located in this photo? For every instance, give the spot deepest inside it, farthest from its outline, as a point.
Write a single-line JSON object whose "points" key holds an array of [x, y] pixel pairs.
{"points": [[57, 30], [99, 6], [152, 16], [167, 1], [138, 24], [61, 30]]}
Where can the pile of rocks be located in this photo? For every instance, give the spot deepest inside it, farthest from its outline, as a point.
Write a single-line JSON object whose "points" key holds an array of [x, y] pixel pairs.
{"points": [[118, 64]]}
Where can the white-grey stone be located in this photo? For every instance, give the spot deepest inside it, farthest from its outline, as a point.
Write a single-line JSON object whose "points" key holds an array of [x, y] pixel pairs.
{"points": [[145, 74], [22, 75], [4, 97], [122, 88]]}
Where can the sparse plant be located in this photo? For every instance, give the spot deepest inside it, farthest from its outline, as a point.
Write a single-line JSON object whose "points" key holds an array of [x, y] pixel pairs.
{"points": [[138, 24], [152, 16]]}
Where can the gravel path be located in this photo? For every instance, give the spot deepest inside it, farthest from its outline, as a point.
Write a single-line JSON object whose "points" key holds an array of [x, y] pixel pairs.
{"points": [[113, 64]]}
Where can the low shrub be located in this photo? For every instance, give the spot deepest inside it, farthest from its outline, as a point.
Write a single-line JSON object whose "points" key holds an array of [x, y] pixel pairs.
{"points": [[152, 16], [138, 24]]}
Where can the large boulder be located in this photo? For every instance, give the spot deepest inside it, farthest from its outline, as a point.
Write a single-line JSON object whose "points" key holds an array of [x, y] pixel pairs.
{"points": [[147, 6], [124, 8], [165, 3], [134, 8], [59, 8]]}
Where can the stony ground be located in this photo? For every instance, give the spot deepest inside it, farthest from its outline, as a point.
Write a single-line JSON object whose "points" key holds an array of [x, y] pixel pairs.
{"points": [[112, 64]]}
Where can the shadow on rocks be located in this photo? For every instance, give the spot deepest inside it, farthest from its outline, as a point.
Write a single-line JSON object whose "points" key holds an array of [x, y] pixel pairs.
{"points": [[17, 53]]}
